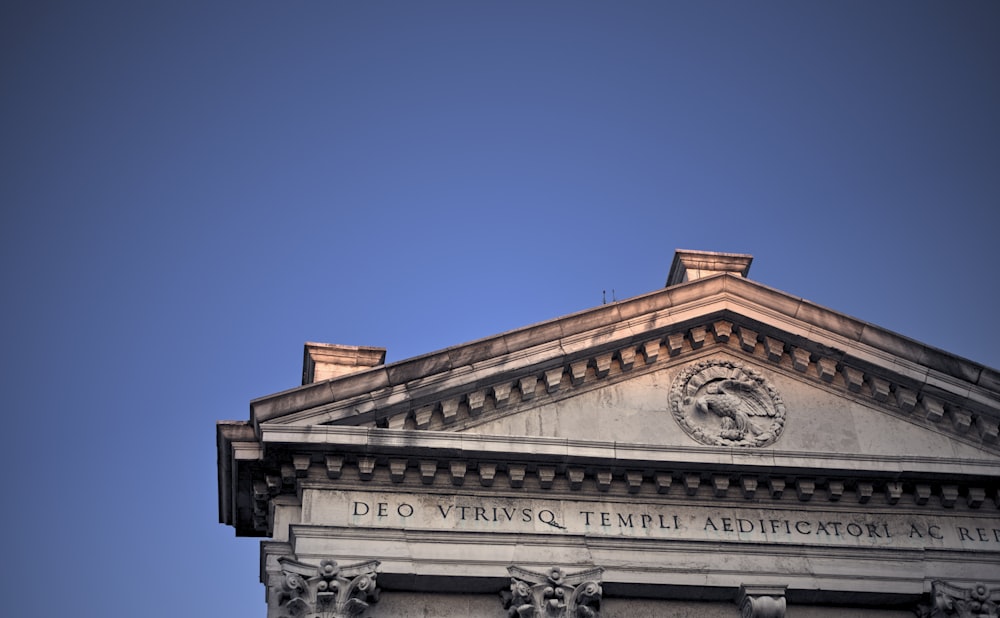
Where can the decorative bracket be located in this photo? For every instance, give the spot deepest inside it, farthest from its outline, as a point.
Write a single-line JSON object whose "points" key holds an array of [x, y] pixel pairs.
{"points": [[327, 591], [553, 594], [949, 600], [761, 601]]}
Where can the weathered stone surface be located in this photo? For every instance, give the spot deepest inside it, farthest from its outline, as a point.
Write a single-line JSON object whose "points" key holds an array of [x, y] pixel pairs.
{"points": [[762, 601], [322, 361], [554, 593], [819, 421], [329, 590], [551, 446], [693, 265]]}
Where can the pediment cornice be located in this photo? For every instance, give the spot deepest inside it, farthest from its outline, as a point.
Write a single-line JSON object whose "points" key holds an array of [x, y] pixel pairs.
{"points": [[404, 419], [462, 386]]}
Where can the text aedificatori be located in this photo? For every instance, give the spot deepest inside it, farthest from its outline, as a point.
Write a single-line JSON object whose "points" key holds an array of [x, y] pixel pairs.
{"points": [[654, 521]]}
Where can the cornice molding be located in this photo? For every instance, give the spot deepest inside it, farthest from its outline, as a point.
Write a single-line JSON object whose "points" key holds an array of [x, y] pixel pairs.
{"points": [[909, 392], [315, 441], [350, 457], [478, 562], [422, 404], [609, 328]]}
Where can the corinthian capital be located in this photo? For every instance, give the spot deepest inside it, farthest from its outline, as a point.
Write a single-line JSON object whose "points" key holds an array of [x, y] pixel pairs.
{"points": [[553, 594], [954, 601], [325, 591]]}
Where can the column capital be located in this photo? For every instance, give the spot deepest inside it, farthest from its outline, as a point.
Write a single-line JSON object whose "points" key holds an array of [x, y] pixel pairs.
{"points": [[325, 591], [553, 594], [758, 601]]}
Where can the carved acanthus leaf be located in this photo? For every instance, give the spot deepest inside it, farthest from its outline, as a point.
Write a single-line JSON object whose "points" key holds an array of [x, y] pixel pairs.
{"points": [[326, 591], [952, 601], [553, 594]]}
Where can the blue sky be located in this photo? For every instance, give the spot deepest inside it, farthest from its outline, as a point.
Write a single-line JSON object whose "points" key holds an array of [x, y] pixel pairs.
{"points": [[192, 190]]}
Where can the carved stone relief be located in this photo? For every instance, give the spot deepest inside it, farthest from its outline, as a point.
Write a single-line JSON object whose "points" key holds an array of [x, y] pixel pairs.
{"points": [[326, 591], [951, 601], [553, 594], [725, 403]]}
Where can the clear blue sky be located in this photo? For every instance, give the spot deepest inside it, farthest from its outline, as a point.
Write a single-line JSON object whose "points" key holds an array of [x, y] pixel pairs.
{"points": [[191, 190]]}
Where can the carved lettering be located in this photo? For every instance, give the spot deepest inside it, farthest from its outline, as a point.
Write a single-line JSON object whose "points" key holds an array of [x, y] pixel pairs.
{"points": [[548, 517], [664, 526], [686, 522]]}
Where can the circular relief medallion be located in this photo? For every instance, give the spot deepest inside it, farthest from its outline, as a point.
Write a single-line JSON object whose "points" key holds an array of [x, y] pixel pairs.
{"points": [[724, 403]]}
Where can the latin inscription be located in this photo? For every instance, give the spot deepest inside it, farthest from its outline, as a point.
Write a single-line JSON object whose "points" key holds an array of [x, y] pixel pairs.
{"points": [[435, 512]]}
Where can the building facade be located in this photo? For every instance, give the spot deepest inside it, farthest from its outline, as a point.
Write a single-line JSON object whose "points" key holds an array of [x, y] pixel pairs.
{"points": [[713, 448]]}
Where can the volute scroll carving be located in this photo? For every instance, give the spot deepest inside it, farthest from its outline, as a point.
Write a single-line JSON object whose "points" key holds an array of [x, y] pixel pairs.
{"points": [[762, 602], [553, 594], [326, 591], [952, 601], [726, 403]]}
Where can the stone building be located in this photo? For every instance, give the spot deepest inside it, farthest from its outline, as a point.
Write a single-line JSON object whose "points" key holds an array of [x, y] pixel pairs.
{"points": [[712, 448]]}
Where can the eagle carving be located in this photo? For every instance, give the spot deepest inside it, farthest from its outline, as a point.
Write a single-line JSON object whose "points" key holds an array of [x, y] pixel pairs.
{"points": [[724, 403]]}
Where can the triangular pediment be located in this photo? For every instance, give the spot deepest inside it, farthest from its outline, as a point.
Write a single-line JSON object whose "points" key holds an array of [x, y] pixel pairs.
{"points": [[716, 417], [606, 374], [635, 392], [648, 407]]}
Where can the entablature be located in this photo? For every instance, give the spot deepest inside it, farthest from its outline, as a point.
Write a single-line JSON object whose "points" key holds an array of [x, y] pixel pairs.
{"points": [[293, 457]]}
